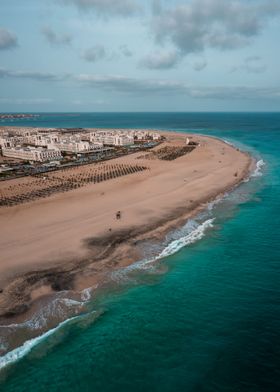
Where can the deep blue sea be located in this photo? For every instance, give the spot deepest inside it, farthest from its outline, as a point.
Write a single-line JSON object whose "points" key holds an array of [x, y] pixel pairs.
{"points": [[207, 317]]}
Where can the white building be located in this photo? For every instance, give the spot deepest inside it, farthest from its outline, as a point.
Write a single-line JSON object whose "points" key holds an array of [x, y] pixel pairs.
{"points": [[32, 154], [8, 142], [45, 140], [155, 136], [78, 147], [145, 135], [112, 138], [124, 140]]}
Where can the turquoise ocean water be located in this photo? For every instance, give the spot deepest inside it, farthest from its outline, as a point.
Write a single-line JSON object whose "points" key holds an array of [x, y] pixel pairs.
{"points": [[205, 318]]}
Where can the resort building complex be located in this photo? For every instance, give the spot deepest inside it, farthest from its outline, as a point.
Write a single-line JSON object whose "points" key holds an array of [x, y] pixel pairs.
{"points": [[32, 154], [41, 144]]}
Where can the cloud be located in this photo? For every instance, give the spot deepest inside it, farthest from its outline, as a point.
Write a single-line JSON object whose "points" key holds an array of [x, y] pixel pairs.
{"points": [[145, 87], [125, 51], [125, 84], [8, 40], [254, 64], [140, 87], [39, 76], [56, 39], [79, 102], [237, 93], [133, 86], [200, 65], [251, 64], [106, 7], [200, 24], [161, 60], [25, 101], [94, 54]]}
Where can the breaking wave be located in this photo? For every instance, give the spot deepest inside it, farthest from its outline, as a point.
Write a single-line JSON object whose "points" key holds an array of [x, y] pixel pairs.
{"points": [[58, 307], [19, 352], [86, 294], [49, 315], [196, 234], [258, 171], [259, 165], [229, 143]]}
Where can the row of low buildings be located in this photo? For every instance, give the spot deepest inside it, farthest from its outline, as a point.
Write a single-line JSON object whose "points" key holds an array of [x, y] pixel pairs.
{"points": [[121, 137], [38, 154], [110, 138], [44, 145]]}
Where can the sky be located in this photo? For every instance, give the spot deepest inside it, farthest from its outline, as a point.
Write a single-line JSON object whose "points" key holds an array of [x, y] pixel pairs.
{"points": [[139, 55]]}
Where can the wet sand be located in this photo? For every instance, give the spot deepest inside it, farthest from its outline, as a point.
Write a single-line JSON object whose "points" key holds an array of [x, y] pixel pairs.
{"points": [[69, 240]]}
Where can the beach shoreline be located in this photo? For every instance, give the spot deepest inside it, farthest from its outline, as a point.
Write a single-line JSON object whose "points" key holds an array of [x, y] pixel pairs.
{"points": [[92, 243]]}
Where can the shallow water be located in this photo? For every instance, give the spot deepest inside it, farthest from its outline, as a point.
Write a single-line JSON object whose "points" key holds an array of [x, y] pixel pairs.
{"points": [[204, 318]]}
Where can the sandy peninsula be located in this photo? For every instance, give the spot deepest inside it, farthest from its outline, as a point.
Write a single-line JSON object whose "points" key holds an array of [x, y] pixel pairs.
{"points": [[69, 240]]}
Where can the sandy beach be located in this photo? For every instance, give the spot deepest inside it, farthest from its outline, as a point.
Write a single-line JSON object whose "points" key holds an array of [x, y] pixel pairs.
{"points": [[69, 240]]}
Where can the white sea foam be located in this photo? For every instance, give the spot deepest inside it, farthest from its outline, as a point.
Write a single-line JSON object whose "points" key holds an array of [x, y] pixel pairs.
{"points": [[258, 171], [19, 352], [86, 294], [3, 345], [173, 247], [58, 307], [229, 143], [71, 302], [218, 200], [196, 235]]}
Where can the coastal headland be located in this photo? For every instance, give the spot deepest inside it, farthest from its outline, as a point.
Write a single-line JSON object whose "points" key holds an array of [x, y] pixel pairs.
{"points": [[16, 116], [70, 239]]}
